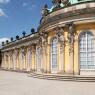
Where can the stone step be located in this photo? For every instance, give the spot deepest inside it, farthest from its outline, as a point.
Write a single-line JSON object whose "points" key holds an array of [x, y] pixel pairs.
{"points": [[63, 77]]}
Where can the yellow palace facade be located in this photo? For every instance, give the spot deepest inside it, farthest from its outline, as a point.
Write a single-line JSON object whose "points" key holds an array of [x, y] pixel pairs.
{"points": [[63, 44]]}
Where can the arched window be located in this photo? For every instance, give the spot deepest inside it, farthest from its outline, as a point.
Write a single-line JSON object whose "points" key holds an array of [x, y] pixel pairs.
{"points": [[87, 51], [54, 55]]}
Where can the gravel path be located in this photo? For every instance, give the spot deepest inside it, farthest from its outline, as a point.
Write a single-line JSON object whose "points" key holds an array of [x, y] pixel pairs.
{"points": [[12, 83]]}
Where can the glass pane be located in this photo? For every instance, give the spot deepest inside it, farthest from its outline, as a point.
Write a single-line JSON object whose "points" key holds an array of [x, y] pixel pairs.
{"points": [[87, 51], [54, 53]]}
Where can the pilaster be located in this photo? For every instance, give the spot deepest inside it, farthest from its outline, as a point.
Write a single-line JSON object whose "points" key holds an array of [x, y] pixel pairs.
{"points": [[33, 58], [70, 42]]}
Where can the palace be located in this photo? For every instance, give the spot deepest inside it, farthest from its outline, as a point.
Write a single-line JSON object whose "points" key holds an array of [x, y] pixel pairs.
{"points": [[63, 44]]}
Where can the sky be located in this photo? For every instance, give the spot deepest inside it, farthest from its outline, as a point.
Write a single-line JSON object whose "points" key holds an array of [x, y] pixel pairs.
{"points": [[17, 16]]}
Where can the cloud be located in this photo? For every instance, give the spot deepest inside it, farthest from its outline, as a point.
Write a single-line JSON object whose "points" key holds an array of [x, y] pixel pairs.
{"points": [[2, 13], [32, 7], [3, 40], [28, 5], [24, 4], [4, 1]]}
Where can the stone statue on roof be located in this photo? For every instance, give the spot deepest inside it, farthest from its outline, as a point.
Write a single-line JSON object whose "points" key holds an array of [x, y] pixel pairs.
{"points": [[67, 2], [58, 2], [45, 10]]}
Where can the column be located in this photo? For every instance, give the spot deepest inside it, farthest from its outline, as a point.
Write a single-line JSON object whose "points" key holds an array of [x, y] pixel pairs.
{"points": [[8, 60], [44, 54], [25, 55], [5, 61], [12, 65], [2, 62], [29, 59], [70, 37], [16, 64], [61, 58], [60, 36], [17, 58], [76, 56], [48, 59], [21, 58], [14, 60], [33, 58], [66, 58], [11, 59]]}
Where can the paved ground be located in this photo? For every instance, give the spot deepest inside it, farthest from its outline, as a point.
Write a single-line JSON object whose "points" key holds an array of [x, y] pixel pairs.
{"points": [[12, 83]]}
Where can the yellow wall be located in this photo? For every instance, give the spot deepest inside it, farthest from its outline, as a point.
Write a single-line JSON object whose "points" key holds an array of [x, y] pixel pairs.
{"points": [[46, 64]]}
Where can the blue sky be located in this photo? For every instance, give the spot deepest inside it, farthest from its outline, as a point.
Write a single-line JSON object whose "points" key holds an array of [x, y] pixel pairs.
{"points": [[19, 15]]}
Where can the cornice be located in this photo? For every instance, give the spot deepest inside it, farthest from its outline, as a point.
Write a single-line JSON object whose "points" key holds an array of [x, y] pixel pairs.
{"points": [[71, 13], [21, 42]]}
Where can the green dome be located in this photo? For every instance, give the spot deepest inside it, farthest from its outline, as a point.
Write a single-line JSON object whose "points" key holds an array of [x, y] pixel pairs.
{"points": [[60, 3]]}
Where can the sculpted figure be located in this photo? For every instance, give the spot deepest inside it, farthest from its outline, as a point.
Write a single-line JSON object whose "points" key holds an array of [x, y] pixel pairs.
{"points": [[45, 10], [58, 2], [65, 2]]}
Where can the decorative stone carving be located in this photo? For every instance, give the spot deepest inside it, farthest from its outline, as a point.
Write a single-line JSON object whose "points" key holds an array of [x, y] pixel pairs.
{"points": [[29, 49], [23, 50], [16, 53], [45, 10], [33, 48], [66, 2], [44, 38], [60, 35], [70, 36], [38, 41], [58, 2]]}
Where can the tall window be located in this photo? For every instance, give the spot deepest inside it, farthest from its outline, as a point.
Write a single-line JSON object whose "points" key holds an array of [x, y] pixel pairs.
{"points": [[54, 54], [87, 51]]}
